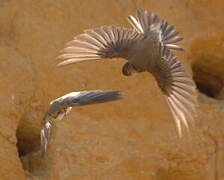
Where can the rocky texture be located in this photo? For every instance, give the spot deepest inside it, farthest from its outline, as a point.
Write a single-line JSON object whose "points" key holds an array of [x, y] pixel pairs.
{"points": [[130, 139]]}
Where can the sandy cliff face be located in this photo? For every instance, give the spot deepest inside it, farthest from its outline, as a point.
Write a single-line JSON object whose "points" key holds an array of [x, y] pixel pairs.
{"points": [[130, 139]]}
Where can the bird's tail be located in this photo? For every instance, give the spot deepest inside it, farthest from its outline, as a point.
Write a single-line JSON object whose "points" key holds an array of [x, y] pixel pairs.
{"points": [[95, 97], [145, 21], [44, 136]]}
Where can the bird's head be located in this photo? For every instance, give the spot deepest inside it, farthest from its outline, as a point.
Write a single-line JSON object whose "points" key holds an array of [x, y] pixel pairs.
{"points": [[128, 69], [56, 108]]}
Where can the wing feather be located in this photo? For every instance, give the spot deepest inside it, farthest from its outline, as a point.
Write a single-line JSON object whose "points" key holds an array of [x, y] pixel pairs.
{"points": [[92, 97], [178, 88], [98, 43], [145, 22], [61, 106], [45, 135]]}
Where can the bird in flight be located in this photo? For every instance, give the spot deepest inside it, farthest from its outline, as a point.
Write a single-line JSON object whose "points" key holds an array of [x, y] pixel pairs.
{"points": [[61, 106], [147, 47]]}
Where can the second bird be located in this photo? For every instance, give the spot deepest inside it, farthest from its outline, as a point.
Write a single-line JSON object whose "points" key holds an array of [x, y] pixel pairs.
{"points": [[147, 48], [60, 107]]}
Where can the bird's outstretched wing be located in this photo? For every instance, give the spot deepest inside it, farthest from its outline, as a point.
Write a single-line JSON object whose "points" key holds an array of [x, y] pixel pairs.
{"points": [[145, 22], [98, 43], [62, 105], [45, 135], [178, 88], [91, 97]]}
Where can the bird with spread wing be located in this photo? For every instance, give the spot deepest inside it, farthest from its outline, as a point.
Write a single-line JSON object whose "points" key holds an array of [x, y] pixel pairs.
{"points": [[147, 48], [60, 107]]}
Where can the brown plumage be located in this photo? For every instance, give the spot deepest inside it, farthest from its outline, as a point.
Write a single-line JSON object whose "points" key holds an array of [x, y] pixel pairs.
{"points": [[60, 107], [147, 47]]}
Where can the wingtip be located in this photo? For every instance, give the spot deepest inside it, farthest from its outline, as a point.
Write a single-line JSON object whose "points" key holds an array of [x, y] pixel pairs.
{"points": [[42, 154], [129, 17], [119, 95], [42, 144], [181, 49], [59, 65], [174, 47], [180, 135], [62, 64]]}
